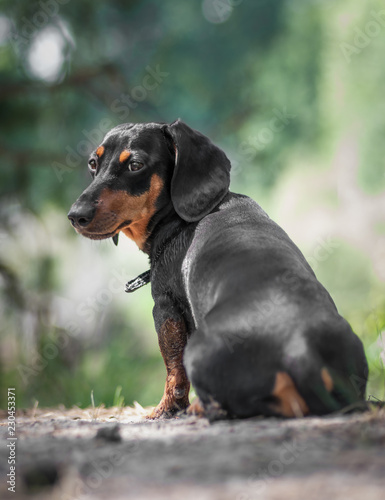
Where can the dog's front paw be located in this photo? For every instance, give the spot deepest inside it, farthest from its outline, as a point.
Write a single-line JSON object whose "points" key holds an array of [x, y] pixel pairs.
{"points": [[159, 412], [175, 397], [167, 409]]}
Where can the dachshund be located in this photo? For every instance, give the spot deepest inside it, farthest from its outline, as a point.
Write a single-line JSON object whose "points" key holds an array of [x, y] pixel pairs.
{"points": [[238, 311]]}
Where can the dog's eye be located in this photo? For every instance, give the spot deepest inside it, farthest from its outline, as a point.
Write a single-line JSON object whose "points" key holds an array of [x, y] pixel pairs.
{"points": [[92, 164], [134, 166]]}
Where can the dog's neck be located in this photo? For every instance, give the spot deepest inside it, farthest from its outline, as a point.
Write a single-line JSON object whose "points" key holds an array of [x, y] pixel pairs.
{"points": [[164, 228], [165, 225], [162, 231]]}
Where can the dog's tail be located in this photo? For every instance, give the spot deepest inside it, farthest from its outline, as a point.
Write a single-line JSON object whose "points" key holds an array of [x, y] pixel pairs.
{"points": [[336, 373]]}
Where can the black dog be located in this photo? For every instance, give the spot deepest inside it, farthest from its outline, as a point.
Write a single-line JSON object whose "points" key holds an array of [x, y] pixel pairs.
{"points": [[238, 310]]}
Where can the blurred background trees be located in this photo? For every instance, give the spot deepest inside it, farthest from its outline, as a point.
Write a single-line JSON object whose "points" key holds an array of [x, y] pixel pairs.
{"points": [[292, 90]]}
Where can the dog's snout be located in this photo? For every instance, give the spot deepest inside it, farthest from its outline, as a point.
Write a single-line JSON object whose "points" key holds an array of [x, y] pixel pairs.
{"points": [[81, 215]]}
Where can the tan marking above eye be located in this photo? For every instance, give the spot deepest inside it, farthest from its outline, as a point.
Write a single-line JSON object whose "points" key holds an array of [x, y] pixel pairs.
{"points": [[124, 155], [289, 402], [100, 151]]}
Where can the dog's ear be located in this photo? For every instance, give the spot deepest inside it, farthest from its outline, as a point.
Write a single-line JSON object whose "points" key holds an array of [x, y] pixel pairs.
{"points": [[202, 172]]}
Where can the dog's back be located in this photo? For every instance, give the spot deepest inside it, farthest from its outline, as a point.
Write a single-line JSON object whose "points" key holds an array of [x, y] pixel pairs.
{"points": [[269, 338]]}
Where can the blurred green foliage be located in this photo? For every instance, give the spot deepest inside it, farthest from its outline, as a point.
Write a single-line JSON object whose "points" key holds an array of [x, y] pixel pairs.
{"points": [[291, 89]]}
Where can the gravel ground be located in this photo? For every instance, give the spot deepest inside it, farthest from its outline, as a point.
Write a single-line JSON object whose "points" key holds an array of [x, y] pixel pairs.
{"points": [[117, 454]]}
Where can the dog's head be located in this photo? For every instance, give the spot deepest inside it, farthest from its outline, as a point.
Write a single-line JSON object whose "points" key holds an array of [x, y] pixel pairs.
{"points": [[142, 170]]}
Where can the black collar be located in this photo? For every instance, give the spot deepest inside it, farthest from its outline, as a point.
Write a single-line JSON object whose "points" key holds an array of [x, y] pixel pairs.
{"points": [[138, 282]]}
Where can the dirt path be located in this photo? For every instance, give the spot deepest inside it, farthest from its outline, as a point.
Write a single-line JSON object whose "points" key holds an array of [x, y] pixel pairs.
{"points": [[117, 454]]}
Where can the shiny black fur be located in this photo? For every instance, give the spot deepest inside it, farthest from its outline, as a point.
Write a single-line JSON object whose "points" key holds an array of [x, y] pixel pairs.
{"points": [[251, 303]]}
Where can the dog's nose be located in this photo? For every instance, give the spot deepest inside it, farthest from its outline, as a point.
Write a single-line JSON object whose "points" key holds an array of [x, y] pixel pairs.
{"points": [[81, 215]]}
